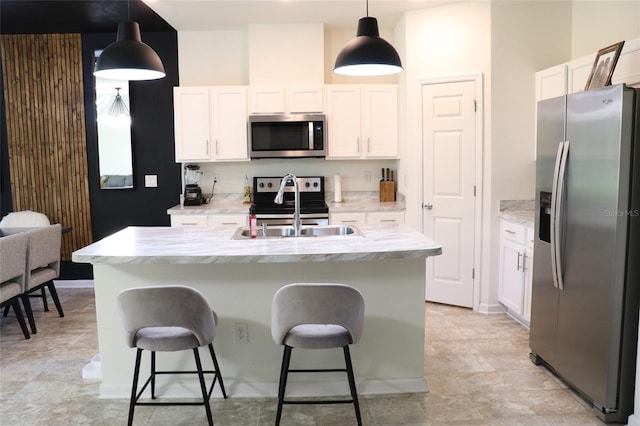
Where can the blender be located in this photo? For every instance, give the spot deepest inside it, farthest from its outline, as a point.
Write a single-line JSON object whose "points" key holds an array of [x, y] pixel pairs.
{"points": [[192, 190]]}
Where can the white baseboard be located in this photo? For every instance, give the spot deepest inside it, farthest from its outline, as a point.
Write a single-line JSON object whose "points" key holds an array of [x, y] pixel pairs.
{"points": [[73, 283], [187, 388], [495, 308]]}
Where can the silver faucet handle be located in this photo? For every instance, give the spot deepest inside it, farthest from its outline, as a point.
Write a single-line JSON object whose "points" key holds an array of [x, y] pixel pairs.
{"points": [[264, 230]]}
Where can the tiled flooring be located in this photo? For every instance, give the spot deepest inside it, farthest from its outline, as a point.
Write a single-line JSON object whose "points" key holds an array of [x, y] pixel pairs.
{"points": [[477, 368]]}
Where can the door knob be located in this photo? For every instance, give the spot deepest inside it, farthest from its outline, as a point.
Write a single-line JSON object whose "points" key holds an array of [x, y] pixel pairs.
{"points": [[427, 206]]}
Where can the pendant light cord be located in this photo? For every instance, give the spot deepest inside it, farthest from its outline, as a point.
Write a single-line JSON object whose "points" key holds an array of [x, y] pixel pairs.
{"points": [[367, 8]]}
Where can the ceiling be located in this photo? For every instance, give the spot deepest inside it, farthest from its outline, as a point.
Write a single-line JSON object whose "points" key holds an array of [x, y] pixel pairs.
{"points": [[195, 15], [102, 16]]}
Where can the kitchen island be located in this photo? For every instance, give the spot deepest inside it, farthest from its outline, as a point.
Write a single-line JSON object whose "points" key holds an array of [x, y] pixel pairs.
{"points": [[239, 279]]}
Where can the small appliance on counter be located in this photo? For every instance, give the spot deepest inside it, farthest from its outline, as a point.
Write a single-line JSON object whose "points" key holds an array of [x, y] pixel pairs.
{"points": [[192, 191]]}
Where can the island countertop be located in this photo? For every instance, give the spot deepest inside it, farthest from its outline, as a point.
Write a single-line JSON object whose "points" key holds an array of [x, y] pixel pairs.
{"points": [[174, 245]]}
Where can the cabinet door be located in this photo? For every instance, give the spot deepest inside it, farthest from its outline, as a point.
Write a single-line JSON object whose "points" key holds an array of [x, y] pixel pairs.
{"points": [[551, 82], [267, 100], [191, 119], [229, 122], [228, 220], [380, 121], [343, 121], [511, 289], [527, 264], [304, 100], [348, 218], [385, 218], [189, 220]]}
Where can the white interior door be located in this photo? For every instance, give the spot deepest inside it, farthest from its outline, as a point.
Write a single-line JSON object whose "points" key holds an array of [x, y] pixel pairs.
{"points": [[449, 158]]}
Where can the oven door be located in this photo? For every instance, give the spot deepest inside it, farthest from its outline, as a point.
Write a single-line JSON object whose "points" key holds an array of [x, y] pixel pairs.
{"points": [[309, 219]]}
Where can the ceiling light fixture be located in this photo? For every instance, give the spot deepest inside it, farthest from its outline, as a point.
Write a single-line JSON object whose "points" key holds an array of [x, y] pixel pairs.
{"points": [[118, 107], [368, 54], [128, 58]]}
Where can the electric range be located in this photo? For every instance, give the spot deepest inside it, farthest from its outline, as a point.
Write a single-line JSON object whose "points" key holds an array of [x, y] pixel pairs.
{"points": [[313, 208]]}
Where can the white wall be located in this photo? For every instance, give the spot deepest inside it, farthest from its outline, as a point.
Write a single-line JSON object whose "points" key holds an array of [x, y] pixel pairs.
{"points": [[208, 58], [598, 24]]}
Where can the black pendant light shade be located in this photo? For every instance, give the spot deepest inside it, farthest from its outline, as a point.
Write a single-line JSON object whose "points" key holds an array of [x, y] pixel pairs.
{"points": [[128, 58], [368, 54]]}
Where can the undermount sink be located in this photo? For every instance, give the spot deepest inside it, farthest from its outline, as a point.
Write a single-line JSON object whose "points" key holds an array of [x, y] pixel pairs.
{"points": [[242, 233]]}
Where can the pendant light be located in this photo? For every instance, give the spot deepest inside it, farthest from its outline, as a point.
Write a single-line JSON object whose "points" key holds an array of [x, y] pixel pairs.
{"points": [[368, 54], [118, 107], [128, 58]]}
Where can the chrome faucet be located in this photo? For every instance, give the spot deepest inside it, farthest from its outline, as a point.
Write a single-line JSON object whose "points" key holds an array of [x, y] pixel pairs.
{"points": [[296, 200]]}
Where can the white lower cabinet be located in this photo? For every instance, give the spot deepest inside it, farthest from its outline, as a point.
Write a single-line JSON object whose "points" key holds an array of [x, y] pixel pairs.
{"points": [[371, 218], [208, 220], [516, 262], [228, 220], [189, 220]]}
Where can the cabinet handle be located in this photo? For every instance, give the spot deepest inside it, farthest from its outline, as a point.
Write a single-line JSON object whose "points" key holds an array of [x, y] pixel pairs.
{"points": [[518, 263], [510, 232], [229, 223], [215, 152], [189, 224], [358, 144], [206, 144], [348, 221], [524, 262], [368, 144], [388, 220]]}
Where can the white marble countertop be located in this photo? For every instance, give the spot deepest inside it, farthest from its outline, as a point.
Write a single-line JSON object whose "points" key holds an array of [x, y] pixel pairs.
{"points": [[356, 201], [523, 217], [139, 245]]}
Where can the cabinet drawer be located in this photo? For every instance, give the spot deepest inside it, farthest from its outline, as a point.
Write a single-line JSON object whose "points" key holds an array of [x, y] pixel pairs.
{"points": [[385, 218], [348, 218], [191, 220], [513, 232], [232, 221]]}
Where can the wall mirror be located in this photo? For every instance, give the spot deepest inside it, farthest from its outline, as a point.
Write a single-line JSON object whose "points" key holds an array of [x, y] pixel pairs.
{"points": [[115, 160]]}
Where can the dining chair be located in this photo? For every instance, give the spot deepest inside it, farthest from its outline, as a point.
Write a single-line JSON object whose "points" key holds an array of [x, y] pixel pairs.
{"points": [[13, 260], [168, 319], [317, 316], [43, 266]]}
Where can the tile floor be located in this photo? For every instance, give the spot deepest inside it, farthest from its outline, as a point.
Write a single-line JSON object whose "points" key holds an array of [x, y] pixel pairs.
{"points": [[477, 368]]}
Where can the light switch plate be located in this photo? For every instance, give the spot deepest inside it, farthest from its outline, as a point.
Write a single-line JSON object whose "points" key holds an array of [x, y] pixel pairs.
{"points": [[151, 181]]}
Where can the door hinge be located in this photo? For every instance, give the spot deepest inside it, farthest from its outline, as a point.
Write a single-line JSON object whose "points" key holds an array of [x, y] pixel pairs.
{"points": [[473, 273], [475, 106], [474, 190]]}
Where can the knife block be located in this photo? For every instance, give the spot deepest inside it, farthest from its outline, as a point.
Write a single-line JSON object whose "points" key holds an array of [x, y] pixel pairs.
{"points": [[387, 191]]}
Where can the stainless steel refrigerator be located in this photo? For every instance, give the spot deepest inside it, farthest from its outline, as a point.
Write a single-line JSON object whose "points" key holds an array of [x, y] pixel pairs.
{"points": [[586, 275]]}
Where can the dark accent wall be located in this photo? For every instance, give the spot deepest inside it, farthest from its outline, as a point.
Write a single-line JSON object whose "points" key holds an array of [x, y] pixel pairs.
{"points": [[152, 138], [5, 177]]}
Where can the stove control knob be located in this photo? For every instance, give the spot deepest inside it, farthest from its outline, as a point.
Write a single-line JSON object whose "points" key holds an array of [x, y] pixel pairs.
{"points": [[315, 184], [307, 184], [269, 184], [261, 185]]}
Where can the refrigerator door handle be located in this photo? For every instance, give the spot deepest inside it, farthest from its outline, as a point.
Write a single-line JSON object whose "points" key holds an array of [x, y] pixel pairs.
{"points": [[556, 213]]}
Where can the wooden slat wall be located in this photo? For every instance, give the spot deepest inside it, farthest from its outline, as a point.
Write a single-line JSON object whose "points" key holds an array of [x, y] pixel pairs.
{"points": [[44, 96]]}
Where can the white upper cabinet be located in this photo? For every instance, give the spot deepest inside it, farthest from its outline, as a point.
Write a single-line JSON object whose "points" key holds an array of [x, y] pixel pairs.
{"points": [[191, 120], [229, 123], [289, 100], [211, 123], [551, 82], [362, 121]]}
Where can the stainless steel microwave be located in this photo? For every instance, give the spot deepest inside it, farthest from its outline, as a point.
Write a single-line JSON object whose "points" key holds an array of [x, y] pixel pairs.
{"points": [[287, 136]]}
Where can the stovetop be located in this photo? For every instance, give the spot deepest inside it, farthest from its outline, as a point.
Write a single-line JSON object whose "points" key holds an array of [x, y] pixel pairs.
{"points": [[312, 196]]}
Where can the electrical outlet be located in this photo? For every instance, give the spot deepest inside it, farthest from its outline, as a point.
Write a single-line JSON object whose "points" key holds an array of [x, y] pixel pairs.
{"points": [[367, 176], [241, 332]]}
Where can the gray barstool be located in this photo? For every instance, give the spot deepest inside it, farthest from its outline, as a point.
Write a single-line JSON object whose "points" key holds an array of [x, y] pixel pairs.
{"points": [[317, 316], [13, 261], [168, 319]]}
